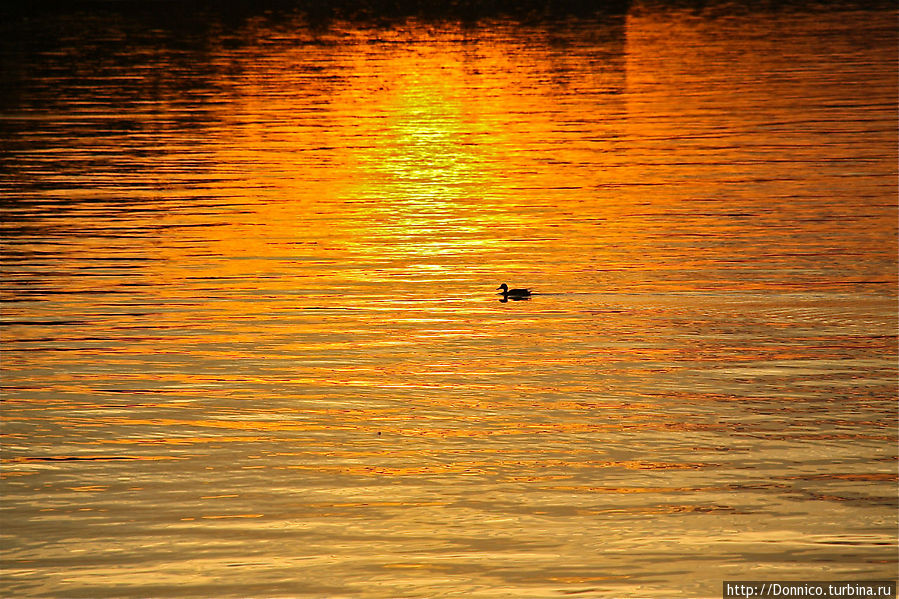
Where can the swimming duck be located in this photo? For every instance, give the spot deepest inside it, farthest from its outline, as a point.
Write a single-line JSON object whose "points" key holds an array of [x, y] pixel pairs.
{"points": [[514, 293]]}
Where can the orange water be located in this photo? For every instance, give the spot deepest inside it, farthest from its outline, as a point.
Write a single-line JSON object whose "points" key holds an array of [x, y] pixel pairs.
{"points": [[252, 344]]}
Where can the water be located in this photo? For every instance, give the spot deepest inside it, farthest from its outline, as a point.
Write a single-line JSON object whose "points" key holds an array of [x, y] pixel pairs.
{"points": [[252, 344]]}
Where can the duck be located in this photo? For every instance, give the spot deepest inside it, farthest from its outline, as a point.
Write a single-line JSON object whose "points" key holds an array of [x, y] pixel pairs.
{"points": [[514, 293]]}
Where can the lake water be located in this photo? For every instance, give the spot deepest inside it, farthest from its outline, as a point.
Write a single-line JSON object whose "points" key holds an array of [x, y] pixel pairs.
{"points": [[253, 347]]}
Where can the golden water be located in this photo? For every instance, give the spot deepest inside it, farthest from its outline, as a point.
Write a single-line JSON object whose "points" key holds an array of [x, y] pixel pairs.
{"points": [[252, 344]]}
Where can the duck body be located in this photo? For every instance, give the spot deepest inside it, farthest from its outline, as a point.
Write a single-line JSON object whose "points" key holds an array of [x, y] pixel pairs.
{"points": [[514, 293]]}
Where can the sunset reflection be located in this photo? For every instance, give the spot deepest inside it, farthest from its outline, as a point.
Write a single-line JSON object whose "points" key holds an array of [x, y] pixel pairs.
{"points": [[252, 340]]}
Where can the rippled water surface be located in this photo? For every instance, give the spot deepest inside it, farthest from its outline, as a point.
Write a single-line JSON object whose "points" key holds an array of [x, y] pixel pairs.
{"points": [[252, 344]]}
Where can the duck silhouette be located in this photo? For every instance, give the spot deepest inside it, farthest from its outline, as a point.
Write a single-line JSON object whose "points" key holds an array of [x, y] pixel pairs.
{"points": [[515, 294]]}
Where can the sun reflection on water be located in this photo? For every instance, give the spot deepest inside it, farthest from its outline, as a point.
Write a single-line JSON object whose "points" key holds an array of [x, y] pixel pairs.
{"points": [[252, 342]]}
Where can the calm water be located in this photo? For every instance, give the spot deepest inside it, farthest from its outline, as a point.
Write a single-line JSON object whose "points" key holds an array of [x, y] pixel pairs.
{"points": [[252, 344]]}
